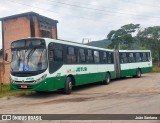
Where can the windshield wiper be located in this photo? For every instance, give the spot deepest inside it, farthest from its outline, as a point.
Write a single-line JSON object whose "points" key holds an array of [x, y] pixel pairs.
{"points": [[30, 53]]}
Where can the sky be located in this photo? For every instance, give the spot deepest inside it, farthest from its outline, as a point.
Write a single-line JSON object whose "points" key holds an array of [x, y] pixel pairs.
{"points": [[87, 19]]}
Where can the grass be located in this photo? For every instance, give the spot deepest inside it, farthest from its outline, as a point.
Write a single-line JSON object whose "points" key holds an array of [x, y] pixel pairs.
{"points": [[6, 92], [156, 69]]}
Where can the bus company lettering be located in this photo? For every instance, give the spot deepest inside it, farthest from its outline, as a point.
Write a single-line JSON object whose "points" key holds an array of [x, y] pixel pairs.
{"points": [[80, 69]]}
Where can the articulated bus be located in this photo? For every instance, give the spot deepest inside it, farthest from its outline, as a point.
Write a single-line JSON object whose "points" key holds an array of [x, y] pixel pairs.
{"points": [[43, 64]]}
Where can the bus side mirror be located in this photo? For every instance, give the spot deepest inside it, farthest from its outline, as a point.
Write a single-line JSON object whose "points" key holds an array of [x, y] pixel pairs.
{"points": [[6, 57]]}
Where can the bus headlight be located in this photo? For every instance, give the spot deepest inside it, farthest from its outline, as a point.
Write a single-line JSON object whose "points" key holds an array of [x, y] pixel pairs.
{"points": [[41, 78]]}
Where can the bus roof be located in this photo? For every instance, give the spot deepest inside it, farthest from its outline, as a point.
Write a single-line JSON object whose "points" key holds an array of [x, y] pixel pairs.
{"points": [[134, 50], [48, 40]]}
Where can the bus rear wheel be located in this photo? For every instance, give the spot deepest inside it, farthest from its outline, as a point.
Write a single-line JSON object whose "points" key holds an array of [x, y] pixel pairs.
{"points": [[138, 73], [68, 85], [107, 79]]}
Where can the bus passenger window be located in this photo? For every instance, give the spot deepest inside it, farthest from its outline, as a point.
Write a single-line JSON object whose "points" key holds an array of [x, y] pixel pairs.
{"points": [[131, 58], [124, 58], [58, 55], [51, 55], [138, 57], [96, 57], [104, 57], [110, 58], [144, 57], [148, 56], [89, 56], [82, 58], [71, 57]]}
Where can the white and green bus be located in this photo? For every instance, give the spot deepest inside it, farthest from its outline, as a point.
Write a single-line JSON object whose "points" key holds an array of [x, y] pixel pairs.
{"points": [[43, 64]]}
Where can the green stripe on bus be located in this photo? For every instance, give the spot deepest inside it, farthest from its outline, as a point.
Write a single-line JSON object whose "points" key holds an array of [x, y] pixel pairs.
{"points": [[55, 83], [132, 72]]}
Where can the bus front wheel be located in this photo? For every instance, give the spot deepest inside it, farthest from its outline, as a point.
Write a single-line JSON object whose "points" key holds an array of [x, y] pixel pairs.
{"points": [[68, 85]]}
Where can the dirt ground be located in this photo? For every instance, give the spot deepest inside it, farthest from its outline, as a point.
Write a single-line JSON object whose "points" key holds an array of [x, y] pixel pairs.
{"points": [[124, 96]]}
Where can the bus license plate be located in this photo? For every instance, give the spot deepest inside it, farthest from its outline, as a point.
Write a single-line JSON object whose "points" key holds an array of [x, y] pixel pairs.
{"points": [[23, 86]]}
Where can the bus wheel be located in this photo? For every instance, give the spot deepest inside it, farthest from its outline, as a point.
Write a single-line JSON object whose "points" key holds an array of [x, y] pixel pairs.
{"points": [[138, 73], [68, 86], [107, 79]]}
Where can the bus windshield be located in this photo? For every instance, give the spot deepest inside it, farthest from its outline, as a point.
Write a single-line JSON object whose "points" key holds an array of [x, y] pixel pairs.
{"points": [[26, 60]]}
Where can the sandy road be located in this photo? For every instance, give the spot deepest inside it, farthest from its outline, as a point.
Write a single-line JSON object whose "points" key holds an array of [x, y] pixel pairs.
{"points": [[125, 96]]}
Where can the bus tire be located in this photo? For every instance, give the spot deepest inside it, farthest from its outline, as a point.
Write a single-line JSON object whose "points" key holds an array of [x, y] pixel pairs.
{"points": [[68, 85], [107, 79], [138, 73]]}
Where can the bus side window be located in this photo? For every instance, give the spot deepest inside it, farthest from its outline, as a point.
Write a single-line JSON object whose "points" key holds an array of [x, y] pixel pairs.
{"points": [[81, 56], [148, 56], [104, 57], [138, 57], [110, 58], [89, 56], [144, 57], [96, 57], [124, 58], [58, 55], [71, 57], [131, 57], [51, 57]]}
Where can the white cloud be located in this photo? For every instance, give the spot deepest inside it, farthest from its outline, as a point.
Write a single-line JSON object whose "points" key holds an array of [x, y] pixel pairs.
{"points": [[77, 23]]}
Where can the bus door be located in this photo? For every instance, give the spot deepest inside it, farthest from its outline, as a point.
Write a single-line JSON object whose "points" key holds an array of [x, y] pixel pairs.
{"points": [[117, 67]]}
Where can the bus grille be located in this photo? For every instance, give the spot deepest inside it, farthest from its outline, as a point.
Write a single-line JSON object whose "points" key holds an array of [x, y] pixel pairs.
{"points": [[24, 82]]}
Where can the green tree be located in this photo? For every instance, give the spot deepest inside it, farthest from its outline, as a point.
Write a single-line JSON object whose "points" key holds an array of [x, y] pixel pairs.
{"points": [[150, 38], [122, 38]]}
